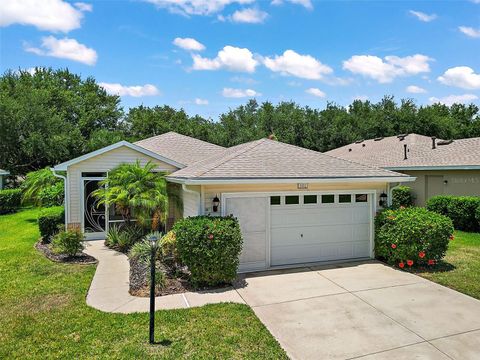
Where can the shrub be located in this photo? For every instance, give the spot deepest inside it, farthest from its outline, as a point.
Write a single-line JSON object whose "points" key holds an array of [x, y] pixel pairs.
{"points": [[123, 237], [49, 221], [68, 242], [42, 188], [168, 247], [142, 250], [210, 247], [10, 200], [51, 196], [402, 196], [477, 215], [461, 209], [160, 278], [412, 234]]}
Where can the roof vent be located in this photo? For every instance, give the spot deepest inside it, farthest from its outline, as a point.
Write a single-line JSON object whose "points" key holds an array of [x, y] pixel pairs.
{"points": [[363, 145], [445, 142], [350, 149], [405, 157], [378, 138], [434, 146], [402, 137]]}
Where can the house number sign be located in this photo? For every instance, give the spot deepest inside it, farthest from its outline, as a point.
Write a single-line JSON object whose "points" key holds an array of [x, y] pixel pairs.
{"points": [[302, 186]]}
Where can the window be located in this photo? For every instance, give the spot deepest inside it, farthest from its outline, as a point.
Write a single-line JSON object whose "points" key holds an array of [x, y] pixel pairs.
{"points": [[345, 198], [93, 174], [310, 199], [292, 200], [274, 200], [328, 199], [361, 198]]}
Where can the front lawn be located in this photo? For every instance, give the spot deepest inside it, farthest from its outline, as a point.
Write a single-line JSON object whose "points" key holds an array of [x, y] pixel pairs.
{"points": [[460, 269], [43, 314]]}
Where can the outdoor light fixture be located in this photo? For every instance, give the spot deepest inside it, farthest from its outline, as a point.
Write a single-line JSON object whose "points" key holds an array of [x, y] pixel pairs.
{"points": [[215, 202], [383, 199], [153, 242]]}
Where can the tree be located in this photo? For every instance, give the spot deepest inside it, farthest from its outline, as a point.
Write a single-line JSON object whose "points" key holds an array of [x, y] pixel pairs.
{"points": [[136, 190], [42, 188], [47, 116]]}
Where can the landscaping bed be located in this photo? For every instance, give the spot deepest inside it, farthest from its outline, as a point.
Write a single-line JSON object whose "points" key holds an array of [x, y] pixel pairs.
{"points": [[80, 258]]}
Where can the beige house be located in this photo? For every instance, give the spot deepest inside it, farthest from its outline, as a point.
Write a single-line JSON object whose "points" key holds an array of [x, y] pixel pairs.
{"points": [[439, 166], [294, 205]]}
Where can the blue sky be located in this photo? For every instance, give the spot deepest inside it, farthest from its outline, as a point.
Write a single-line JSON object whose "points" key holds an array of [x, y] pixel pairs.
{"points": [[209, 56]]}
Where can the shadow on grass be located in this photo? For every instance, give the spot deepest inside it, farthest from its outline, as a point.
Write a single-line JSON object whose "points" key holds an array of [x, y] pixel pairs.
{"points": [[164, 342], [440, 267]]}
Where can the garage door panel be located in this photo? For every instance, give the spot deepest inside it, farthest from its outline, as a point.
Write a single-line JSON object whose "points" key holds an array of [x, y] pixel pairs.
{"points": [[251, 211], [311, 216], [254, 247]]}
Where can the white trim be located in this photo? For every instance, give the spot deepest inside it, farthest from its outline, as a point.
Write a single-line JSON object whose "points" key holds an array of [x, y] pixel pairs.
{"points": [[63, 166], [441, 167], [267, 195], [290, 180], [97, 235], [66, 204]]}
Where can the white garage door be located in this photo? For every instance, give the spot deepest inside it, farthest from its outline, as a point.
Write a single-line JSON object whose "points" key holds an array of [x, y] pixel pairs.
{"points": [[319, 227], [251, 213]]}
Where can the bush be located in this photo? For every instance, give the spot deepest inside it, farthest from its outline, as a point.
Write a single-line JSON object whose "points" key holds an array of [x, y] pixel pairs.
{"points": [[10, 200], [51, 196], [68, 242], [402, 197], [412, 236], [42, 188], [123, 237], [210, 247], [49, 221], [461, 209], [142, 250], [168, 247]]}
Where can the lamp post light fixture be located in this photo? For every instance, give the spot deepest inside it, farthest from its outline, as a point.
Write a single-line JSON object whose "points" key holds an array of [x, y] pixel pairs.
{"points": [[215, 202], [153, 246], [383, 199]]}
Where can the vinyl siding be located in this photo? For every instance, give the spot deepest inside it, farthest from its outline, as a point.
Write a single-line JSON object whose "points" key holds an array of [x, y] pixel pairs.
{"points": [[191, 202], [102, 163]]}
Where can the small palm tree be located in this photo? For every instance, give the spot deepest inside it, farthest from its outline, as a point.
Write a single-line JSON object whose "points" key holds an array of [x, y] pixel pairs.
{"points": [[138, 189]]}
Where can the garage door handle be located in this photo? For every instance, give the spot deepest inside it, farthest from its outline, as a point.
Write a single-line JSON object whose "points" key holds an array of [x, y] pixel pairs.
{"points": [[301, 235]]}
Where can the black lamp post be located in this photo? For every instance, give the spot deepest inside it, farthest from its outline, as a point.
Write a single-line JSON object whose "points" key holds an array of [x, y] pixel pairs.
{"points": [[215, 202], [153, 242], [383, 199]]}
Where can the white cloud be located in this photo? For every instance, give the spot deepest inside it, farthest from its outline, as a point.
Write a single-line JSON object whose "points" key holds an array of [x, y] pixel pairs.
{"points": [[65, 48], [454, 99], [305, 3], [461, 76], [316, 92], [229, 58], [250, 16], [470, 31], [51, 15], [243, 80], [199, 101], [422, 16], [302, 66], [239, 93], [413, 89], [83, 6], [384, 71], [135, 91], [188, 44], [196, 7]]}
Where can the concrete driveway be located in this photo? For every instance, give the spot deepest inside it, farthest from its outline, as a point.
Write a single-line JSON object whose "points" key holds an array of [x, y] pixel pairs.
{"points": [[363, 310]]}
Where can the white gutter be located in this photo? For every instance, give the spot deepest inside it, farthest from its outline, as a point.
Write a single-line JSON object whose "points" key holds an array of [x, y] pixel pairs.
{"points": [[447, 167], [65, 198], [290, 180], [198, 195]]}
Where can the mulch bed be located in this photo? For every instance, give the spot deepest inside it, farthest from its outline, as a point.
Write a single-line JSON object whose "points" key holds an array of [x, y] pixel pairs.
{"points": [[177, 280], [81, 258]]}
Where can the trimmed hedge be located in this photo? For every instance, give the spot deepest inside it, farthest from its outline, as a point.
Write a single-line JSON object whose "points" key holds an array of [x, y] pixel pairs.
{"points": [[68, 242], [402, 197], [412, 236], [49, 221], [209, 247], [10, 200], [461, 209]]}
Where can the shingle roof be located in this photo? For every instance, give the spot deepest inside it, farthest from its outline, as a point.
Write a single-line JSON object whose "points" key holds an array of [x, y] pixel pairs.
{"points": [[270, 159], [180, 148], [389, 152]]}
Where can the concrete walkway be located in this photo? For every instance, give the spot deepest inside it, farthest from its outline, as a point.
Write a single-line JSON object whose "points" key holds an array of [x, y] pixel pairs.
{"points": [[356, 310], [109, 288]]}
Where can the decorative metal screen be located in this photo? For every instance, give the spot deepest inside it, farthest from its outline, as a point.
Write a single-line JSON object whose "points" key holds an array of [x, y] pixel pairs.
{"points": [[93, 212]]}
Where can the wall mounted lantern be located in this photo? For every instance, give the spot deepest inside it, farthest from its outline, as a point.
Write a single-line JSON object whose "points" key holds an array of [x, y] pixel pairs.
{"points": [[215, 202], [383, 199]]}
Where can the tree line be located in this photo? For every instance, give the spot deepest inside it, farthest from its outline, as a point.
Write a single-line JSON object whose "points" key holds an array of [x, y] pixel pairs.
{"points": [[49, 116]]}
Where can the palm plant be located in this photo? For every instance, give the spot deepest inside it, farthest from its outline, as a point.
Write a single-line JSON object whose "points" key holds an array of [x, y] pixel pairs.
{"points": [[37, 183], [138, 189]]}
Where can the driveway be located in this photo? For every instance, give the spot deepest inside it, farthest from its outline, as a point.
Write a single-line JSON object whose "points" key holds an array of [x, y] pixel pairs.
{"points": [[363, 310]]}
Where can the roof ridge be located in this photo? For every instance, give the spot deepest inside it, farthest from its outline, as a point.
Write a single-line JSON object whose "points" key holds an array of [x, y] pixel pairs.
{"points": [[252, 144], [176, 133]]}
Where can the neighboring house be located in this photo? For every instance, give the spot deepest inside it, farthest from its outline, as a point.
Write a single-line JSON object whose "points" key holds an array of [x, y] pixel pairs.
{"points": [[3, 175], [440, 166], [294, 205]]}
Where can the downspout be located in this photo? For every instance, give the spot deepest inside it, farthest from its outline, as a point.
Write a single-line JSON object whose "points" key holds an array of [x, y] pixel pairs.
{"points": [[65, 190], [184, 188]]}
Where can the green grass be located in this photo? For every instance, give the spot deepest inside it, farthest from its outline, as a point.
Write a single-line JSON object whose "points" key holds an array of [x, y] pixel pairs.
{"points": [[43, 314], [460, 269]]}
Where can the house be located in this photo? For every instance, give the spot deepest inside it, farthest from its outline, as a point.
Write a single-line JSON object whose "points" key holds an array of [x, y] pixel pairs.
{"points": [[3, 174], [294, 205], [440, 166]]}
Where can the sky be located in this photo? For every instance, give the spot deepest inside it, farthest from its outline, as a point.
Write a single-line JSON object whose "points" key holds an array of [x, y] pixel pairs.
{"points": [[208, 56]]}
